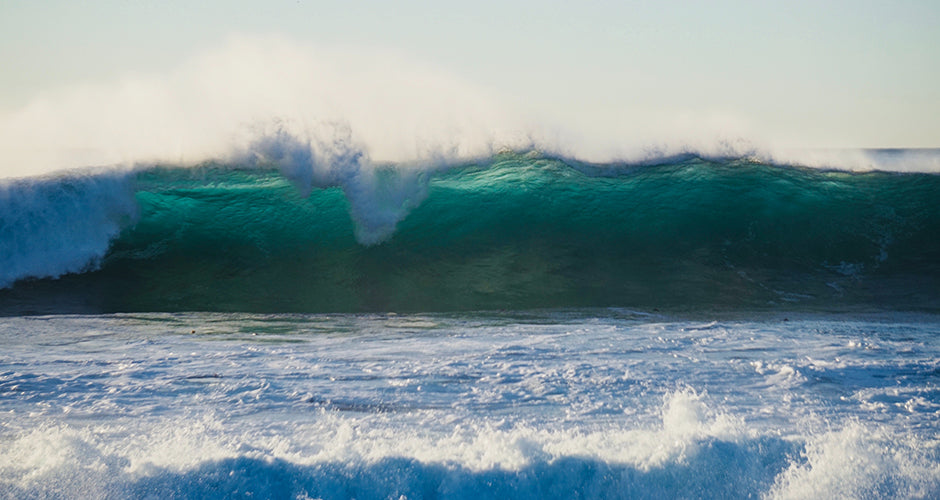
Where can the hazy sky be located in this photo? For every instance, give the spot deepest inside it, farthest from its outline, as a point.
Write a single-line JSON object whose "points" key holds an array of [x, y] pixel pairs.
{"points": [[799, 73]]}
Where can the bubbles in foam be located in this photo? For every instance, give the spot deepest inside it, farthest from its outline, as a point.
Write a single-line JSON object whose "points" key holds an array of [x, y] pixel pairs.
{"points": [[407, 419], [334, 453], [128, 450], [862, 462]]}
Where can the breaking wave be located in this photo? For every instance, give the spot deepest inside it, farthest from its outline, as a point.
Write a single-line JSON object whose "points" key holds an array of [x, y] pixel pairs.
{"points": [[291, 225]]}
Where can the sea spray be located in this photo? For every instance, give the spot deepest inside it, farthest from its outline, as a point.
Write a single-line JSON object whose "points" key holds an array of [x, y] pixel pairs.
{"points": [[862, 461], [378, 197], [333, 454], [214, 103], [64, 223]]}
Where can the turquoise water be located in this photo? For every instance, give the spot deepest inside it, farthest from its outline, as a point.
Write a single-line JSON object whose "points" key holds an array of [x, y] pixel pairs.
{"points": [[515, 231], [516, 326]]}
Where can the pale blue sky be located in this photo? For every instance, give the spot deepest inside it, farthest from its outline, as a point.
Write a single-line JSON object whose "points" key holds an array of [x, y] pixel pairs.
{"points": [[814, 74]]}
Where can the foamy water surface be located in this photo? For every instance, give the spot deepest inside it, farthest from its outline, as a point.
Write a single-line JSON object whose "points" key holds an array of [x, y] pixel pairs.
{"points": [[597, 404]]}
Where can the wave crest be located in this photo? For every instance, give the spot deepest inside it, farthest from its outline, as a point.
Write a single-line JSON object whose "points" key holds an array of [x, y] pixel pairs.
{"points": [[51, 226], [379, 198]]}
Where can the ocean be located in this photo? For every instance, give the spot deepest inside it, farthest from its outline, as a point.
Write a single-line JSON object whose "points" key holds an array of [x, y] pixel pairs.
{"points": [[294, 324]]}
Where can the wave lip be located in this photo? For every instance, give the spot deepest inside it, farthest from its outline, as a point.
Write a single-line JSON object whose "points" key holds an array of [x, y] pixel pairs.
{"points": [[379, 198], [53, 225]]}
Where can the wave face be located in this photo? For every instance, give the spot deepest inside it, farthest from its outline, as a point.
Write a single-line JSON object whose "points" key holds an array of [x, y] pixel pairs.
{"points": [[512, 231]]}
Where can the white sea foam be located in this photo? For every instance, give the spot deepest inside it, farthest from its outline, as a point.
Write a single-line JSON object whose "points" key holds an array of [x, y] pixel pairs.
{"points": [[68, 461], [377, 406], [861, 461], [330, 454], [53, 225]]}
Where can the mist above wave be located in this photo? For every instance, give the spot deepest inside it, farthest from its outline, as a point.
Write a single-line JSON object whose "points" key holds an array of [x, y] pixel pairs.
{"points": [[389, 107], [213, 105]]}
